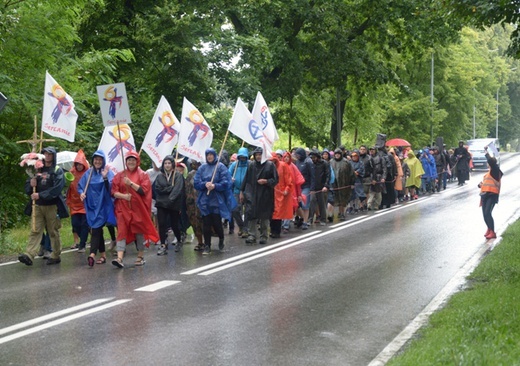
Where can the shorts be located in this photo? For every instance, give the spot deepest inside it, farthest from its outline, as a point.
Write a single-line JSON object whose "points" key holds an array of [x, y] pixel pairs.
{"points": [[307, 193]]}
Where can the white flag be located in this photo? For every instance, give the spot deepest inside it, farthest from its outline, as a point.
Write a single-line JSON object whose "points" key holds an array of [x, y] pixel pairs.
{"points": [[262, 115], [163, 133], [59, 117], [493, 148], [244, 126], [115, 148], [195, 136], [113, 102]]}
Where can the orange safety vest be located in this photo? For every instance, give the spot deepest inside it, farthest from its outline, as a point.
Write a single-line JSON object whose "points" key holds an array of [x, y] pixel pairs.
{"points": [[489, 184]]}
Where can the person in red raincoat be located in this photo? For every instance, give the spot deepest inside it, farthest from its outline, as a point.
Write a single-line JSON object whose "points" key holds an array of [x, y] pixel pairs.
{"points": [[283, 198], [132, 191], [78, 215]]}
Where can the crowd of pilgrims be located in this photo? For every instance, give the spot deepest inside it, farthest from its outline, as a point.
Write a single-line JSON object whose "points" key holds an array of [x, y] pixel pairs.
{"points": [[184, 200]]}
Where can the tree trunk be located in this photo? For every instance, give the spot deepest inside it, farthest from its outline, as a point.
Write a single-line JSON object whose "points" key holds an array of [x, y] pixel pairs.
{"points": [[338, 109]]}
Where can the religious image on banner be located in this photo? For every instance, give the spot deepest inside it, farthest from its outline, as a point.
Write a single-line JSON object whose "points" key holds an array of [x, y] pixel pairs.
{"points": [[59, 117], [262, 115], [116, 148], [114, 104], [195, 135], [163, 133], [248, 129]]}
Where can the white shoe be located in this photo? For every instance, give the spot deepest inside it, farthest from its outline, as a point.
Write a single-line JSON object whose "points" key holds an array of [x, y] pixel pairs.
{"points": [[190, 238]]}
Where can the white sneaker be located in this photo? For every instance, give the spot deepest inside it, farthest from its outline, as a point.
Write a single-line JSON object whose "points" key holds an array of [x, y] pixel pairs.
{"points": [[190, 238]]}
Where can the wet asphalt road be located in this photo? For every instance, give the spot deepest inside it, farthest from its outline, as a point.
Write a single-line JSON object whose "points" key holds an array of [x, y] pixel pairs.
{"points": [[334, 295]]}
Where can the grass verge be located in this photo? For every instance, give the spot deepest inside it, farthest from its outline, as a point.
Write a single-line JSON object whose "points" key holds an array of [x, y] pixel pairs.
{"points": [[14, 241], [481, 324]]}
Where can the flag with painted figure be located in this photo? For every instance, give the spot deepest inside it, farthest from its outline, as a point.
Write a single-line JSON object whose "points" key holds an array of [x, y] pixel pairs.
{"points": [[163, 133], [113, 102], [248, 129], [59, 117], [195, 135], [262, 115], [115, 144]]}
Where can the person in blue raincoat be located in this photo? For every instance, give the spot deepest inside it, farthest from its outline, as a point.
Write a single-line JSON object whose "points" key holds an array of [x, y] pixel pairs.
{"points": [[238, 169], [94, 189], [430, 171], [215, 200]]}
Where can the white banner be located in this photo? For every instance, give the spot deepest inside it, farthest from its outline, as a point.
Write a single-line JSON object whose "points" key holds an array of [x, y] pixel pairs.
{"points": [[115, 148], [262, 115], [244, 126], [493, 149], [114, 104], [163, 133], [195, 136], [59, 117]]}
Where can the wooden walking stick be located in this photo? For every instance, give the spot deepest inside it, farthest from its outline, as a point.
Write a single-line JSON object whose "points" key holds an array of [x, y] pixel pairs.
{"points": [[219, 155]]}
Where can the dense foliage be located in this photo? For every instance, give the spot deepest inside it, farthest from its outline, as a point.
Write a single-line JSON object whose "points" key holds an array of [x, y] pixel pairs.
{"points": [[364, 64]]}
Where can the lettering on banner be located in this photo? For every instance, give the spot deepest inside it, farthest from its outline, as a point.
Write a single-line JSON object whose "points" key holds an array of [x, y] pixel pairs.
{"points": [[154, 152], [191, 151], [57, 129]]}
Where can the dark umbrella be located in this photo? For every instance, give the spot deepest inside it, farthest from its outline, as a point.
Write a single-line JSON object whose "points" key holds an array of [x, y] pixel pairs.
{"points": [[397, 142]]}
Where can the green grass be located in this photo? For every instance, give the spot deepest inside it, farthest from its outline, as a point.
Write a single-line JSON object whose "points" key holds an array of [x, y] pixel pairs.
{"points": [[480, 325], [14, 240]]}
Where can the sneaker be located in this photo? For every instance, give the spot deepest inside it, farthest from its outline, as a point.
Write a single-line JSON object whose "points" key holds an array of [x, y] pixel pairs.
{"points": [[190, 238], [24, 258], [207, 249], [262, 241], [251, 240], [178, 247], [53, 261], [170, 237], [305, 226], [341, 217], [46, 254], [81, 250], [221, 245], [163, 250], [349, 210], [322, 223]]}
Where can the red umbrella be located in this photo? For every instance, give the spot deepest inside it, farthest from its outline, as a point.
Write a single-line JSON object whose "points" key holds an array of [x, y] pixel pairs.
{"points": [[397, 142]]}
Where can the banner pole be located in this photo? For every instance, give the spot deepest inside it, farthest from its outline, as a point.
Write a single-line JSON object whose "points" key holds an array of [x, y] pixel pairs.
{"points": [[219, 155]]}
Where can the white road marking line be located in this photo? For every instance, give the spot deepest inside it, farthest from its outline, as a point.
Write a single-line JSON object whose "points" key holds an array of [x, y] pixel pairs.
{"points": [[61, 321], [157, 286], [232, 259], [272, 249], [28, 323]]}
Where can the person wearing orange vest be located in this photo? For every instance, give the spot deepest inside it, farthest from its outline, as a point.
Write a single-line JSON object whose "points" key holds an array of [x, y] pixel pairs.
{"points": [[489, 192]]}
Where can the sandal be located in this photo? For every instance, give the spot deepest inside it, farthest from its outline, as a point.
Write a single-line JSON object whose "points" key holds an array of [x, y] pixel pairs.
{"points": [[199, 247], [101, 260], [139, 261], [118, 263], [91, 261]]}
